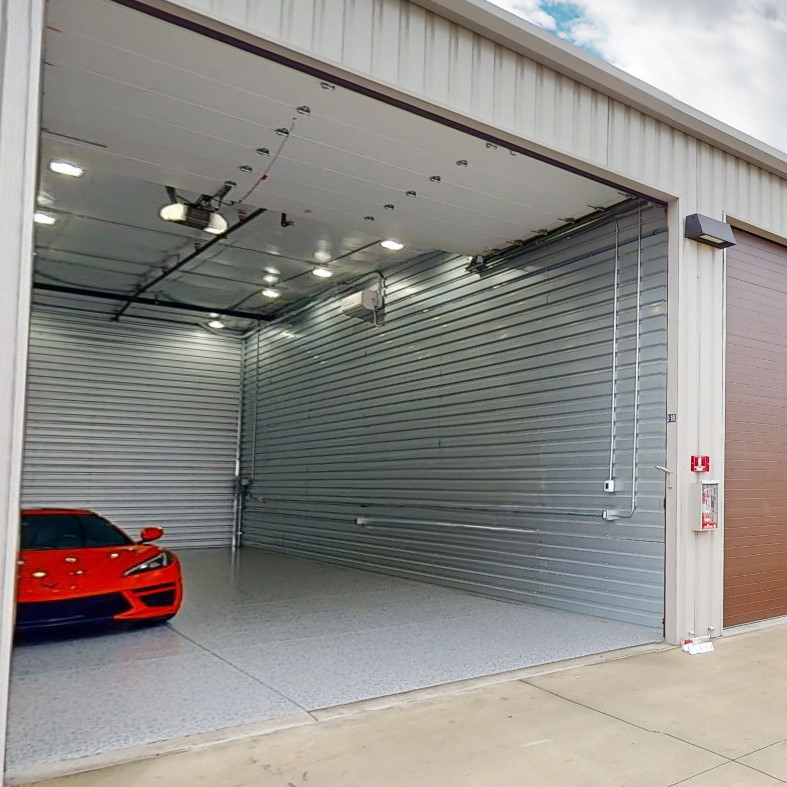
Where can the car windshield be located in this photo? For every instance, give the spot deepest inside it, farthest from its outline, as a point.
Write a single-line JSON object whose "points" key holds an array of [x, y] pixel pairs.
{"points": [[69, 531]]}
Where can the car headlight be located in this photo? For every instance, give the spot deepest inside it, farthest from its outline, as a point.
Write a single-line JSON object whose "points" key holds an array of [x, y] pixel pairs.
{"points": [[162, 560]]}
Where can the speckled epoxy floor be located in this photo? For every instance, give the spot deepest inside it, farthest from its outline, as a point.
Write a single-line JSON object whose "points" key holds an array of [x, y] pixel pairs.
{"points": [[266, 636]]}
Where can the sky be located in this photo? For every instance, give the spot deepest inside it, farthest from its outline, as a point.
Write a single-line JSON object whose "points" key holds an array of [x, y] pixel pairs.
{"points": [[727, 58]]}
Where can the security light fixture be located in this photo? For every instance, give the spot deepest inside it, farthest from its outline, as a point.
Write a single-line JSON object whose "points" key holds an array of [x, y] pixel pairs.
{"points": [[392, 245], [322, 272], [711, 232], [44, 218], [269, 292], [66, 168], [217, 324]]}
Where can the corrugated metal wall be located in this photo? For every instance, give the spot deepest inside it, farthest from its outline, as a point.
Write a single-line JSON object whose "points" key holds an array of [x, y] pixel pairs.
{"points": [[136, 420], [481, 401]]}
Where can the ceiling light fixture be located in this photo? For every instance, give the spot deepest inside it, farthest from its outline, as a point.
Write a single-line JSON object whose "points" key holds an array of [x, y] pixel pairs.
{"points": [[392, 245], [269, 292], [66, 168], [322, 272], [214, 315], [270, 278], [217, 324], [43, 218]]}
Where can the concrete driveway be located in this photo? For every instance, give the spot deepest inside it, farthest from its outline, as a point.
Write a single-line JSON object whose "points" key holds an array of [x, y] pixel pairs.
{"points": [[648, 720]]}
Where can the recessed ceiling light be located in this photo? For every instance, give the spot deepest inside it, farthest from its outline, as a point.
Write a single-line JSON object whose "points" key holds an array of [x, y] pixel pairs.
{"points": [[46, 219], [392, 245], [217, 324], [269, 292], [66, 168], [322, 273], [270, 278], [213, 315]]}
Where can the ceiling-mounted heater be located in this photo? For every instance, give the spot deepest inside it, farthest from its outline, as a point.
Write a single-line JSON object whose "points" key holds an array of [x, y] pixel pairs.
{"points": [[365, 305]]}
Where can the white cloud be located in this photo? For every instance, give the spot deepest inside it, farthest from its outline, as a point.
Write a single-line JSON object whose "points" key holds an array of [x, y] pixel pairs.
{"points": [[530, 10], [727, 58]]}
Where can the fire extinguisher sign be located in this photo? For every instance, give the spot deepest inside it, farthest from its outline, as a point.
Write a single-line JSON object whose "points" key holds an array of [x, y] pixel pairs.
{"points": [[700, 464]]}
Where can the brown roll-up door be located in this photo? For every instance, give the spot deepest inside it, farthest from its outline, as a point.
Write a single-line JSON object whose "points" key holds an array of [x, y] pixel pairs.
{"points": [[755, 489]]}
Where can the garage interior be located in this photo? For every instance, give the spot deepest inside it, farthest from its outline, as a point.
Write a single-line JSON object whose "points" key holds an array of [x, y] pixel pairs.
{"points": [[365, 503]]}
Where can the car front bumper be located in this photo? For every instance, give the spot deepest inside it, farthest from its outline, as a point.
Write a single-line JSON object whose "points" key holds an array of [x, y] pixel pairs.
{"points": [[144, 603]]}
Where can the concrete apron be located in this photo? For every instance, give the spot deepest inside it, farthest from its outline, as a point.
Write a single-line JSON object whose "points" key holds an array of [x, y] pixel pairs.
{"points": [[207, 740], [656, 718]]}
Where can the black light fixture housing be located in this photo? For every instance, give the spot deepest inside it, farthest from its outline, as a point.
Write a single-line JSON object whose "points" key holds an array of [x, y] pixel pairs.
{"points": [[711, 232]]}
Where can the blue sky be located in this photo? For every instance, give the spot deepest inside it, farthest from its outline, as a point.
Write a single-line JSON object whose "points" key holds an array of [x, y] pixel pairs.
{"points": [[727, 58]]}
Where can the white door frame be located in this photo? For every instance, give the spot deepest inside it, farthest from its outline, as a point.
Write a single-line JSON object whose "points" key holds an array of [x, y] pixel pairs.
{"points": [[21, 31]]}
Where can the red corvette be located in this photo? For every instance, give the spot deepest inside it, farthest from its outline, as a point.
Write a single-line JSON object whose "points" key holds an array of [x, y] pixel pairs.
{"points": [[76, 567]]}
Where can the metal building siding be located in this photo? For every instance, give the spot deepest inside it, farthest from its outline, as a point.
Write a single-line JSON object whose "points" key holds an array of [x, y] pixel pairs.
{"points": [[136, 420], [478, 399]]}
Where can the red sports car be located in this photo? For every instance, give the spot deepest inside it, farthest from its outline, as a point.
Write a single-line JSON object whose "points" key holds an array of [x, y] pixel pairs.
{"points": [[77, 567]]}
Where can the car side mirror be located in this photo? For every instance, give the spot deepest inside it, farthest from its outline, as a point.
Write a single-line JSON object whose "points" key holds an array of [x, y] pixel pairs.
{"points": [[150, 534]]}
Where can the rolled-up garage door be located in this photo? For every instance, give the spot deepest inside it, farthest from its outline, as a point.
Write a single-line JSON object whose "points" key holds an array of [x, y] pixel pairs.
{"points": [[755, 535]]}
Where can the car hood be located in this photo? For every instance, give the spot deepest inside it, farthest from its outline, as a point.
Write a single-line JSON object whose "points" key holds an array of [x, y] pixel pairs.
{"points": [[67, 572]]}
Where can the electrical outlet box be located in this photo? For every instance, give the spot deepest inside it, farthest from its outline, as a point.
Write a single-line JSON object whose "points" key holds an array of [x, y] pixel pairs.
{"points": [[609, 486]]}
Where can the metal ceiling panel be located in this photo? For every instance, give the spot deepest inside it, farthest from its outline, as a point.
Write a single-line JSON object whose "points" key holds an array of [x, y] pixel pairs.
{"points": [[142, 105]]}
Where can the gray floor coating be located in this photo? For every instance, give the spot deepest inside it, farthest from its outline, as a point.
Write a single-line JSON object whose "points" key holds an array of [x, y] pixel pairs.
{"points": [[266, 636]]}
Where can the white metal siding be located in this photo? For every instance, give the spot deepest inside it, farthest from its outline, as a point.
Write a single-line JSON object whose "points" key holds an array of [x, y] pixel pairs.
{"points": [[138, 421], [481, 401]]}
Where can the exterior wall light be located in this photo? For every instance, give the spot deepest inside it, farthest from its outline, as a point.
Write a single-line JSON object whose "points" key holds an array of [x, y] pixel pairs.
{"points": [[711, 232]]}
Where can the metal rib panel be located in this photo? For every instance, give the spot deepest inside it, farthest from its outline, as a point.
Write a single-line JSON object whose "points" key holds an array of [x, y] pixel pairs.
{"points": [[138, 421], [482, 402]]}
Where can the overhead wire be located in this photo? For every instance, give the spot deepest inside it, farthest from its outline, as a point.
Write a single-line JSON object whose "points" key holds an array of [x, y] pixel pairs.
{"points": [[262, 178]]}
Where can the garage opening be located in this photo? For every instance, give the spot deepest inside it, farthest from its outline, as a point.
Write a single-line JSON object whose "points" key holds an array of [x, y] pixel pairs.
{"points": [[395, 393]]}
